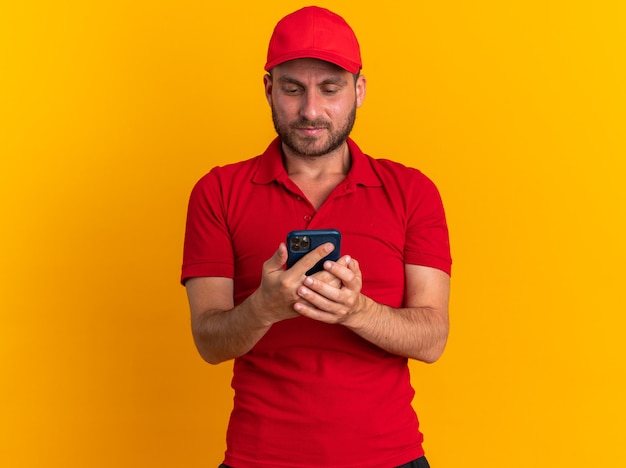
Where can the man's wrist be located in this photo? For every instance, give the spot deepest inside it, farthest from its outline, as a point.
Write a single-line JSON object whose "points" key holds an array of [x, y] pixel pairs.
{"points": [[257, 310], [358, 318]]}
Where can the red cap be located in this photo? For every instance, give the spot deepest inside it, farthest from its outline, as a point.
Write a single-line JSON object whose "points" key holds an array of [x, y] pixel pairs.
{"points": [[314, 32]]}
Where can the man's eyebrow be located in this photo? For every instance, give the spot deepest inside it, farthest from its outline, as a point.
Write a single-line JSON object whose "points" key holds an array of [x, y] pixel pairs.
{"points": [[336, 80], [289, 79], [331, 80]]}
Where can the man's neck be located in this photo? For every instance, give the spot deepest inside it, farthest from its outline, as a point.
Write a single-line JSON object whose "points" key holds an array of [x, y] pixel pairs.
{"points": [[335, 163], [317, 176]]}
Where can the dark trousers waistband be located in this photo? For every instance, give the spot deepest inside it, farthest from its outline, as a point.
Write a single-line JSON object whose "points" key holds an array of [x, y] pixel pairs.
{"points": [[419, 463]]}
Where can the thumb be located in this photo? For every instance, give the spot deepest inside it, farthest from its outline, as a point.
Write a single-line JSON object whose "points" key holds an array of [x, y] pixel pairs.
{"points": [[278, 260]]}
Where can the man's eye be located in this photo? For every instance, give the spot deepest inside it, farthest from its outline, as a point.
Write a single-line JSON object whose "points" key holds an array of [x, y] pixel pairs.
{"points": [[291, 90], [330, 91]]}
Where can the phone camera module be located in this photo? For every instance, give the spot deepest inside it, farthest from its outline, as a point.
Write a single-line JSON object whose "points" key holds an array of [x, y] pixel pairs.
{"points": [[299, 243]]}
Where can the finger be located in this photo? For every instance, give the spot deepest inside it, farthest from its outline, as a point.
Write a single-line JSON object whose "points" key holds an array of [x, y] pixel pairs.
{"points": [[318, 307], [341, 270], [309, 260], [278, 260], [344, 260], [353, 279], [327, 277], [320, 294], [315, 314], [313, 305]]}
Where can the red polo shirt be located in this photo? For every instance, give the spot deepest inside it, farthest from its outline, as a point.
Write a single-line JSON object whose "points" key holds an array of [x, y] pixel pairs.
{"points": [[311, 394]]}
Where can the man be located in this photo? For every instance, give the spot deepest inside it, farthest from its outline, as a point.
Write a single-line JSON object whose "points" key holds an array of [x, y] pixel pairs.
{"points": [[320, 373]]}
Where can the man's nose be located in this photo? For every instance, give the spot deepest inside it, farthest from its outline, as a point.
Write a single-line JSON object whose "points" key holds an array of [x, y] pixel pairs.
{"points": [[311, 105]]}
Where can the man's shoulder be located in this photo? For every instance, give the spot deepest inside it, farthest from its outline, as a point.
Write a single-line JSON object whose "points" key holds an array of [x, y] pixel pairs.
{"points": [[245, 169], [390, 168], [231, 170], [236, 166]]}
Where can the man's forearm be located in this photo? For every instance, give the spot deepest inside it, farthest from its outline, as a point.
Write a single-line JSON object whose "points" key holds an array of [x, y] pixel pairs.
{"points": [[419, 333], [222, 331], [221, 335]]}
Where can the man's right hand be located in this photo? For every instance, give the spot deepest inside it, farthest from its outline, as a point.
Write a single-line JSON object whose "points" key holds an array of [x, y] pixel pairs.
{"points": [[277, 293], [223, 331]]}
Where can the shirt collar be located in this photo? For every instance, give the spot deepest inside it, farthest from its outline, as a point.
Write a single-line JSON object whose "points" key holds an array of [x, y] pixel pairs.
{"points": [[271, 166]]}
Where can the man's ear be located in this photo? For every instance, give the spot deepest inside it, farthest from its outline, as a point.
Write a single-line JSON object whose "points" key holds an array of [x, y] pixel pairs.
{"points": [[268, 84], [361, 87]]}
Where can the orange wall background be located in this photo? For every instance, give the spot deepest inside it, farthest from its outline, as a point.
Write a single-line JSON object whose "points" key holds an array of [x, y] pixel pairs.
{"points": [[110, 111]]}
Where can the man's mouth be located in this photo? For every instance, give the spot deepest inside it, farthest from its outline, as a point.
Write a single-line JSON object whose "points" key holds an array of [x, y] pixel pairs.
{"points": [[310, 131]]}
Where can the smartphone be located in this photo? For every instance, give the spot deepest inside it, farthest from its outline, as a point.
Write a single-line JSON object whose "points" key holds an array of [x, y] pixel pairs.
{"points": [[300, 243]]}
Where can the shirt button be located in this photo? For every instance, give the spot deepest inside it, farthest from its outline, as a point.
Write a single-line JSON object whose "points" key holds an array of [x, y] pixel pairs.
{"points": [[307, 217]]}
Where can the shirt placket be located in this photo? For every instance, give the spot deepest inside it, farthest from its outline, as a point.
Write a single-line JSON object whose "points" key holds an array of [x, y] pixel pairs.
{"points": [[304, 210]]}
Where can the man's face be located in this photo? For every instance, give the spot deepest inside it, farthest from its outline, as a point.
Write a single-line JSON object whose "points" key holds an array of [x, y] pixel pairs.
{"points": [[313, 105]]}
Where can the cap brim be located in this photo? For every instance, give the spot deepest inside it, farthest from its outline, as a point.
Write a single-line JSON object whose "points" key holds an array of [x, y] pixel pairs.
{"points": [[349, 65]]}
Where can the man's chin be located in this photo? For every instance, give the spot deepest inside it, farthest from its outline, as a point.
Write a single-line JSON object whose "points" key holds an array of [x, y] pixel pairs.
{"points": [[309, 147], [311, 151], [314, 146]]}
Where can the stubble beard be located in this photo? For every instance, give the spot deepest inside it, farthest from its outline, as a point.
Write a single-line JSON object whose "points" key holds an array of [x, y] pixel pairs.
{"points": [[307, 146]]}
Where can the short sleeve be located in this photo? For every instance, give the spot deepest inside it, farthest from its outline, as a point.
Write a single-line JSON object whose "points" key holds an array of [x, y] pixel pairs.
{"points": [[207, 247], [427, 237]]}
